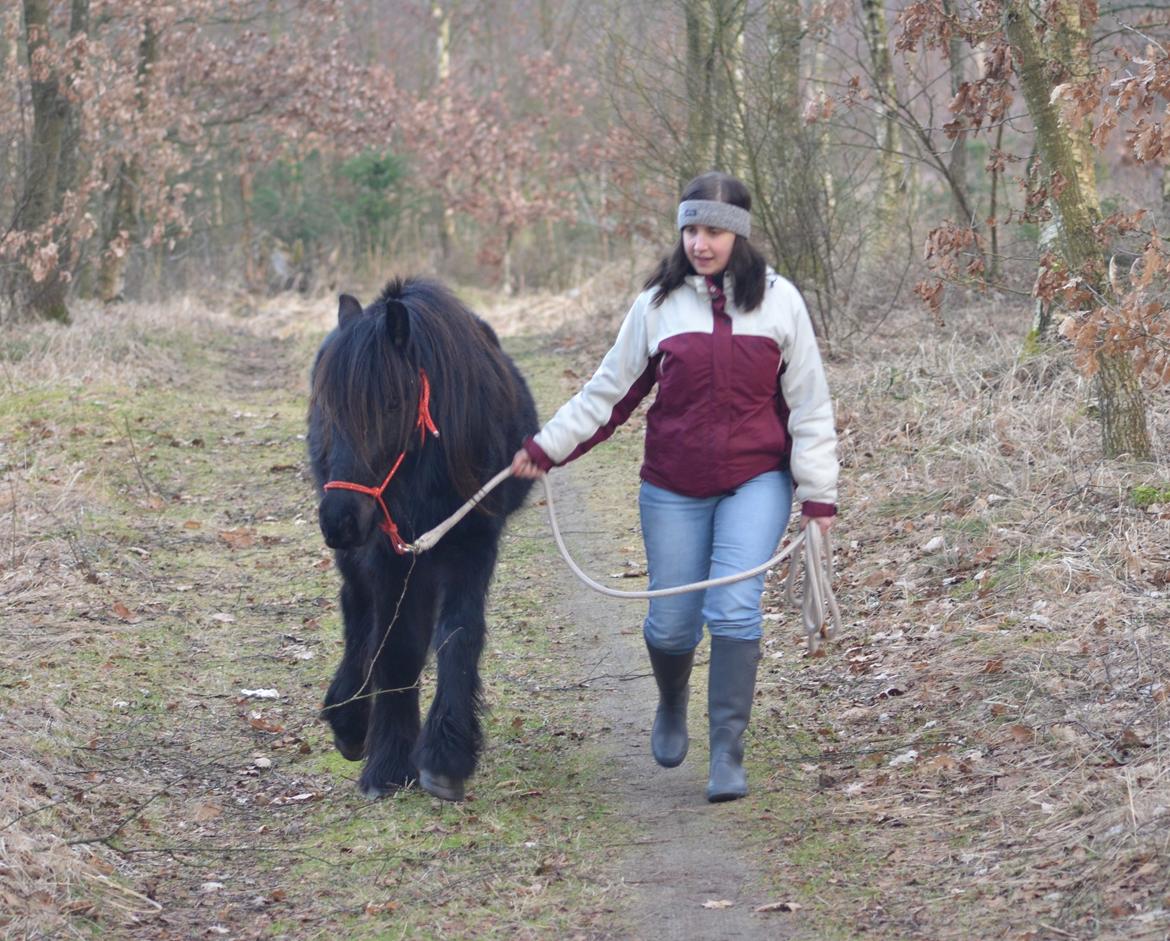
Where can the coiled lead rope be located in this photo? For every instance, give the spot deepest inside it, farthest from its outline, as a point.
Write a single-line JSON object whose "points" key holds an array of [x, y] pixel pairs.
{"points": [[819, 611]]}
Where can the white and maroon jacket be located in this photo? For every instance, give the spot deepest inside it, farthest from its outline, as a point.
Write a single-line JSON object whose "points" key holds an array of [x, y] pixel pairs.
{"points": [[739, 394]]}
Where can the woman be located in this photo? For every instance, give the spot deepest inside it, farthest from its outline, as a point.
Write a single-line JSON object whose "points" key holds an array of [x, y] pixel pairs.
{"points": [[742, 413]]}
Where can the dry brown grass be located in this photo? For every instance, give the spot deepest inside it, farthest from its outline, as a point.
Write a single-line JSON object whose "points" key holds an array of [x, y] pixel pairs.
{"points": [[49, 888], [1009, 601]]}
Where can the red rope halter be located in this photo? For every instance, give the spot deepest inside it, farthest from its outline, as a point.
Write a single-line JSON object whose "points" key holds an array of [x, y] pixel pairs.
{"points": [[424, 424]]}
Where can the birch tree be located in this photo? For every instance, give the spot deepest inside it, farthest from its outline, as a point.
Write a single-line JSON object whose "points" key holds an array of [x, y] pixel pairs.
{"points": [[1072, 182], [1048, 59]]}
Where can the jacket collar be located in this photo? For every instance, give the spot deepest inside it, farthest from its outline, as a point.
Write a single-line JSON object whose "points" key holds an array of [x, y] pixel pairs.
{"points": [[699, 283]]}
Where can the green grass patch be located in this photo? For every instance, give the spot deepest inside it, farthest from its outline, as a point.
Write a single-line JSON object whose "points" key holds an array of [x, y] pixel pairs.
{"points": [[1145, 495], [913, 504]]}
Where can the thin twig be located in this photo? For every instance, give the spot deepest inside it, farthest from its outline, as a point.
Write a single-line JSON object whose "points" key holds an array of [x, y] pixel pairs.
{"points": [[361, 693]]}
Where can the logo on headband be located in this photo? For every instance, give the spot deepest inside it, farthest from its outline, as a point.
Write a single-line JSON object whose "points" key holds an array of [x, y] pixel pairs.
{"points": [[690, 212]]}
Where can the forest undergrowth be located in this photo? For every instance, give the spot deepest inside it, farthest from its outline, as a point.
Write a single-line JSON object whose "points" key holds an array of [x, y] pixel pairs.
{"points": [[980, 754]]}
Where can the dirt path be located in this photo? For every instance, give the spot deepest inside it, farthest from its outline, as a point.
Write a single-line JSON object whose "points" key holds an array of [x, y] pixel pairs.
{"points": [[684, 851]]}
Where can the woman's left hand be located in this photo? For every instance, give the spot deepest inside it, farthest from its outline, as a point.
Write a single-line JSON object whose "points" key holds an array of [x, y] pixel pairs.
{"points": [[824, 522]]}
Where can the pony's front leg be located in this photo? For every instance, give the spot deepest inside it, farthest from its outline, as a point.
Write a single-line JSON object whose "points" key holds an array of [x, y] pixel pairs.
{"points": [[347, 709], [394, 707], [452, 738]]}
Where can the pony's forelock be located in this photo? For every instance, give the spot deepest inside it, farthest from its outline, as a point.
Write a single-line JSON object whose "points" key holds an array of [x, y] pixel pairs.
{"points": [[369, 385]]}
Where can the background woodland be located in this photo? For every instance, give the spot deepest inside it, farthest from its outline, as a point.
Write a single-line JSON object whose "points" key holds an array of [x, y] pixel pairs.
{"points": [[151, 149]]}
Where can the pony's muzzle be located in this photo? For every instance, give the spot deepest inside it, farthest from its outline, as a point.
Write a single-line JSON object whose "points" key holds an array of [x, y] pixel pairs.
{"points": [[346, 520]]}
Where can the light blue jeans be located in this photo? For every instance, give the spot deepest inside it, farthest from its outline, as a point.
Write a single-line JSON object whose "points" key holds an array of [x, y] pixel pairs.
{"points": [[689, 539]]}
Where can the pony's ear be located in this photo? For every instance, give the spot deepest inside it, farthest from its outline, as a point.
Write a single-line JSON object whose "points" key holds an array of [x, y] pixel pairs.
{"points": [[398, 320], [348, 308]]}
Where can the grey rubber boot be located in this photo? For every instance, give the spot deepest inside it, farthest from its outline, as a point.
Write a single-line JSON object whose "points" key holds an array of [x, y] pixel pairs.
{"points": [[732, 683], [672, 673]]}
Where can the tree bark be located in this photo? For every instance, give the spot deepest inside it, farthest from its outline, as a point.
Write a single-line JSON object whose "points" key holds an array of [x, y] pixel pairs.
{"points": [[253, 279], [1067, 49], [958, 162], [70, 169], [1121, 404], [441, 13], [698, 78], [39, 197], [1122, 408], [123, 221], [784, 34], [727, 47], [890, 171]]}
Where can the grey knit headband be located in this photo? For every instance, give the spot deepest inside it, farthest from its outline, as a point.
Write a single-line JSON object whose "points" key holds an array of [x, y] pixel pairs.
{"points": [[715, 214]]}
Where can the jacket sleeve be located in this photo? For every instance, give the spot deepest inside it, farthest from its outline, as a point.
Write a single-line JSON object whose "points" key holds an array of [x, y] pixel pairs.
{"points": [[810, 422], [623, 379]]}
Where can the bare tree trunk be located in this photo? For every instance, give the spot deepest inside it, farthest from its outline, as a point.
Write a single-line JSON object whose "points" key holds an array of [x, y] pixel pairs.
{"points": [[442, 16], [727, 47], [958, 162], [992, 271], [69, 172], [890, 174], [70, 157], [699, 75], [784, 34], [123, 223], [39, 198], [1067, 50], [1070, 46], [252, 275], [1122, 408], [1121, 405]]}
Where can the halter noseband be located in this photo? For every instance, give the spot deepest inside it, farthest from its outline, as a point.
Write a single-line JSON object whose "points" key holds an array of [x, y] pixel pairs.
{"points": [[424, 424]]}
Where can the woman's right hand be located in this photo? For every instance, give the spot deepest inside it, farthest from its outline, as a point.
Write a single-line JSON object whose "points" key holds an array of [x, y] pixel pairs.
{"points": [[524, 466]]}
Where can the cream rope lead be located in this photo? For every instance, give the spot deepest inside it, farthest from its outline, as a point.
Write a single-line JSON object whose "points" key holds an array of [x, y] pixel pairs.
{"points": [[819, 610]]}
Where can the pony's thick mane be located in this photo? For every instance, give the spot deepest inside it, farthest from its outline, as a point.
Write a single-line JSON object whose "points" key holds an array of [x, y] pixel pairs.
{"points": [[367, 381]]}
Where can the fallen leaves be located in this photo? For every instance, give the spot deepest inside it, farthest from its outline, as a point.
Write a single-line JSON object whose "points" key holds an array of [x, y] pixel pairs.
{"points": [[303, 797], [779, 907], [718, 903], [907, 757], [238, 538], [380, 908]]}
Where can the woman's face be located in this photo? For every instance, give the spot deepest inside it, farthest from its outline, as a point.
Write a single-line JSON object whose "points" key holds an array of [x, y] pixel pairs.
{"points": [[708, 249]]}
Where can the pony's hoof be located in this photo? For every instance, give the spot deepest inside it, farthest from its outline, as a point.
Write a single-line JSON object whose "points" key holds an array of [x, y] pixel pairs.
{"points": [[441, 786], [350, 751], [375, 792]]}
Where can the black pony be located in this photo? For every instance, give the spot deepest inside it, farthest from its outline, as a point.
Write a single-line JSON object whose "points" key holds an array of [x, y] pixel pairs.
{"points": [[414, 398]]}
